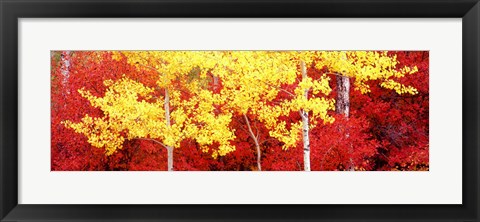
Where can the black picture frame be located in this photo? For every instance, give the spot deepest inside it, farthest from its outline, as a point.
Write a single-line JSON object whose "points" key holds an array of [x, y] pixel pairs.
{"points": [[11, 11]]}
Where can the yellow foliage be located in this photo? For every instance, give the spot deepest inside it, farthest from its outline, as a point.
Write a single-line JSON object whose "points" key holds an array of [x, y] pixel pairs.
{"points": [[365, 66], [128, 118], [251, 84]]}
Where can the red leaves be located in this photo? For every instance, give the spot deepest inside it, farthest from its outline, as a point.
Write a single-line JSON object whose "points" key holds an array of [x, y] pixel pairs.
{"points": [[385, 131], [399, 123], [342, 145], [71, 151]]}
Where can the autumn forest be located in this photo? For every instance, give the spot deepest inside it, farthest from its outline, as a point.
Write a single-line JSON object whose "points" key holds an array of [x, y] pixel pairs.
{"points": [[240, 110]]}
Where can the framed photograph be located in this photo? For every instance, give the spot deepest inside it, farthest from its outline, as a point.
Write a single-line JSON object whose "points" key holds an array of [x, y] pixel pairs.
{"points": [[239, 110]]}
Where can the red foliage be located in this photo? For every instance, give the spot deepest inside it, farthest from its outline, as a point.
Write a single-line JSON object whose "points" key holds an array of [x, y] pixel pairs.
{"points": [[385, 131], [70, 151], [399, 123]]}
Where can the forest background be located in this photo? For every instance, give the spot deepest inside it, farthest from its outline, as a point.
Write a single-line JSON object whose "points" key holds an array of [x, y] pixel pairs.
{"points": [[180, 110]]}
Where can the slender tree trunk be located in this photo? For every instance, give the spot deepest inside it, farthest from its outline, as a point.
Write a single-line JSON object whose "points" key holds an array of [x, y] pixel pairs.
{"points": [[65, 68], [342, 106], [305, 129], [215, 84], [170, 158], [167, 119], [215, 90], [257, 145]]}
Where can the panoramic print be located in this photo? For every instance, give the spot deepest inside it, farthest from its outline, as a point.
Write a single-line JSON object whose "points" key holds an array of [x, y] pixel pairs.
{"points": [[239, 110]]}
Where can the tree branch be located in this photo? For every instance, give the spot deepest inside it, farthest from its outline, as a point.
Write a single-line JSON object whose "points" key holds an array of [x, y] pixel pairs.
{"points": [[250, 129], [150, 67], [283, 90], [156, 141], [335, 74]]}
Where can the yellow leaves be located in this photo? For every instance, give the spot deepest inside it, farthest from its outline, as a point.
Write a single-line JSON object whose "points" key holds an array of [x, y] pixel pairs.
{"points": [[126, 116], [398, 87], [319, 107], [100, 133], [407, 70], [364, 88], [215, 127], [322, 85], [365, 66], [379, 65], [253, 83], [172, 64], [225, 148], [290, 136], [116, 55], [303, 85]]}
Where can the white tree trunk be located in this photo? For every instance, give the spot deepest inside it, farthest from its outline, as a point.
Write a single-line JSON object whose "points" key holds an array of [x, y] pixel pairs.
{"points": [[167, 119], [305, 127], [257, 145], [170, 158], [65, 68], [306, 141]]}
